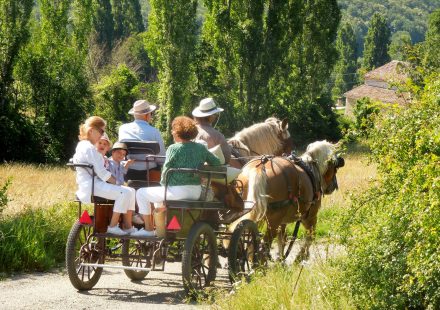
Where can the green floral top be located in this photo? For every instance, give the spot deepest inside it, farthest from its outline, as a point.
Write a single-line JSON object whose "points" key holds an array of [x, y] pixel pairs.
{"points": [[186, 155]]}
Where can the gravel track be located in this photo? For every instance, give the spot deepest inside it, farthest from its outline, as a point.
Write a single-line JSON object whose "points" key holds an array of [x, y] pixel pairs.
{"points": [[114, 290]]}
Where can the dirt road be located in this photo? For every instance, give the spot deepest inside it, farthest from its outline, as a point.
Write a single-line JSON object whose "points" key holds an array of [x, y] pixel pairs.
{"points": [[160, 290]]}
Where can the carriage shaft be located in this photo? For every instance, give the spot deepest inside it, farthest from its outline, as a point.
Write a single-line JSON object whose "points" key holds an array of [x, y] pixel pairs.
{"points": [[115, 267]]}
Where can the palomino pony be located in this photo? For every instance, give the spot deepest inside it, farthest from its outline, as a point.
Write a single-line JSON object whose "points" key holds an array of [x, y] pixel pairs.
{"points": [[289, 189], [270, 137]]}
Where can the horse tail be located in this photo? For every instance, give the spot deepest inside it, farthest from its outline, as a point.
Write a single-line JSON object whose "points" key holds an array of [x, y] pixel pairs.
{"points": [[257, 191]]}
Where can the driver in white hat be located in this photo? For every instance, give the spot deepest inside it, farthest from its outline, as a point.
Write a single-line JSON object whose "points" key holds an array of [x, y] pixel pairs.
{"points": [[141, 130], [205, 115]]}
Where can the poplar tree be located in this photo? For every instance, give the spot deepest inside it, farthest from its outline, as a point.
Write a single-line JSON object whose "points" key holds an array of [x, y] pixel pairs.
{"points": [[377, 42], [171, 38], [233, 33], [127, 17], [52, 72], [346, 66], [432, 43], [14, 33]]}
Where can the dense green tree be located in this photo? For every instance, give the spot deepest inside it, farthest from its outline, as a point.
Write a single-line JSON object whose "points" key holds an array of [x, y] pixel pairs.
{"points": [[346, 67], [14, 17], [301, 94], [127, 17], [399, 43], [114, 96], [171, 40], [103, 23], [404, 15], [234, 30], [52, 73], [432, 44], [377, 42]]}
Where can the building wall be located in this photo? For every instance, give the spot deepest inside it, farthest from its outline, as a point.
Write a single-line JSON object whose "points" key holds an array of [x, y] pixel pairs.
{"points": [[350, 103]]}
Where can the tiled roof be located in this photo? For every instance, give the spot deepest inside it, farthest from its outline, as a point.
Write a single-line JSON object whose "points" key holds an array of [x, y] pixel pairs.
{"points": [[375, 93], [390, 72]]}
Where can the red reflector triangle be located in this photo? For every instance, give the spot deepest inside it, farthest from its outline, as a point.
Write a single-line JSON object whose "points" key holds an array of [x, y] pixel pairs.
{"points": [[85, 218], [174, 224]]}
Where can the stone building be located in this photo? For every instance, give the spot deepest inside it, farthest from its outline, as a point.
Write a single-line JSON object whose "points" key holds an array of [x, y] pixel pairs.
{"points": [[380, 85]]}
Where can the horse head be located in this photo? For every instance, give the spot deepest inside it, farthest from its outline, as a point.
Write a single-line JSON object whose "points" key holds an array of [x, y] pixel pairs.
{"points": [[324, 155], [270, 137], [283, 134]]}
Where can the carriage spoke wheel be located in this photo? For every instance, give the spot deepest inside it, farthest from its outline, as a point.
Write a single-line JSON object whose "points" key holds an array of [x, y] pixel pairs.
{"points": [[136, 253], [83, 247], [199, 261], [244, 251]]}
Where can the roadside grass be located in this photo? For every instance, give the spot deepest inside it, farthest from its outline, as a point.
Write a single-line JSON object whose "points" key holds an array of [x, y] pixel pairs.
{"points": [[35, 239], [314, 286]]}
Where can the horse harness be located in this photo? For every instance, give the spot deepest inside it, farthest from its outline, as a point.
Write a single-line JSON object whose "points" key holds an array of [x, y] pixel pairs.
{"points": [[312, 172]]}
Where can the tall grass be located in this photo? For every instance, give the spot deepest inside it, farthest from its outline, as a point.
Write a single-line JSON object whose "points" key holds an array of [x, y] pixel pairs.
{"points": [[295, 287], [36, 186], [35, 239]]}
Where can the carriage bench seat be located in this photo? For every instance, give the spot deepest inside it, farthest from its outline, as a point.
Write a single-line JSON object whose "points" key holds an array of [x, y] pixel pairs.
{"points": [[103, 201], [196, 204]]}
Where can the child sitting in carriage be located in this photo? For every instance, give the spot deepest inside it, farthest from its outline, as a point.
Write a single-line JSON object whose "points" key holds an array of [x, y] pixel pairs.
{"points": [[103, 146], [118, 165], [104, 183]]}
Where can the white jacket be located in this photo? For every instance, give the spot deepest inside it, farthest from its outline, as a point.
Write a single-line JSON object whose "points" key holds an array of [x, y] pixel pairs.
{"points": [[86, 153]]}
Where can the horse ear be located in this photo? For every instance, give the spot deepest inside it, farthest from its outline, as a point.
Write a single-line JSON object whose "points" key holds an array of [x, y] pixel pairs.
{"points": [[284, 124]]}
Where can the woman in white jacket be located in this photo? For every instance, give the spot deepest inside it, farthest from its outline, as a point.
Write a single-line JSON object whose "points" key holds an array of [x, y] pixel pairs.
{"points": [[89, 133]]}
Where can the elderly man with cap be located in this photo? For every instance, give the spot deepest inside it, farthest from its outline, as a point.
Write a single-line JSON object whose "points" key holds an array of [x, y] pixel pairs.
{"points": [[205, 115], [141, 130]]}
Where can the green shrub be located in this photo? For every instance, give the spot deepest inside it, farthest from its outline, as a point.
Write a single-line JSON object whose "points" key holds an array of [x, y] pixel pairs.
{"points": [[35, 239], [4, 195], [392, 230]]}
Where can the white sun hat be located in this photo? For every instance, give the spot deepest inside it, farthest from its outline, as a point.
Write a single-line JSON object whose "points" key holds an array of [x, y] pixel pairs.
{"points": [[206, 107], [142, 107]]}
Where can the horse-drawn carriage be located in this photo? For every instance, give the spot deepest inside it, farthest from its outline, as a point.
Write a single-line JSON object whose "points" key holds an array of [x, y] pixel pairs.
{"points": [[277, 189], [195, 234]]}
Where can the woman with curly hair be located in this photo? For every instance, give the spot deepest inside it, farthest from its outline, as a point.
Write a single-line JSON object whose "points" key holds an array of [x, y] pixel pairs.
{"points": [[182, 154]]}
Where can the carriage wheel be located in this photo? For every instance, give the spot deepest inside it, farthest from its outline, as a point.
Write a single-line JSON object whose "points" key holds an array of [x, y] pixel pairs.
{"points": [[83, 247], [199, 261], [135, 254], [283, 240], [244, 250]]}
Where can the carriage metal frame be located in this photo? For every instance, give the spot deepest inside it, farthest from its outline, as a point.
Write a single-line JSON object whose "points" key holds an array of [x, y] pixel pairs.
{"points": [[197, 245]]}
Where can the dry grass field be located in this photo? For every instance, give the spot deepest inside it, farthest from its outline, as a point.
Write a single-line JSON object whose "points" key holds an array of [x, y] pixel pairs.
{"points": [[354, 177], [36, 186]]}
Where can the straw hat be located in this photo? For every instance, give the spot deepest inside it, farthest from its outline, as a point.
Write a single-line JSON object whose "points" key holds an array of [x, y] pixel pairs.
{"points": [[120, 146], [206, 107], [142, 107]]}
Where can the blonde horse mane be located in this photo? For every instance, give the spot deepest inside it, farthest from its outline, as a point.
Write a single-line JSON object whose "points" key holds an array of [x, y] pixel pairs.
{"points": [[260, 138], [321, 152]]}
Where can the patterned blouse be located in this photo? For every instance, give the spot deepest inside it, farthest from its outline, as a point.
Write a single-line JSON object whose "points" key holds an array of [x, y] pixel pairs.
{"points": [[186, 155]]}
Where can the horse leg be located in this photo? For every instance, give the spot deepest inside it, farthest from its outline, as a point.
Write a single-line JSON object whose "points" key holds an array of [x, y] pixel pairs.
{"points": [[282, 239], [309, 224], [304, 252]]}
